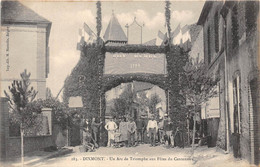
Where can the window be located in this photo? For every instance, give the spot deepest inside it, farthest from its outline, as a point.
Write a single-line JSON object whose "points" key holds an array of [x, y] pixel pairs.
{"points": [[235, 39], [216, 25], [209, 51]]}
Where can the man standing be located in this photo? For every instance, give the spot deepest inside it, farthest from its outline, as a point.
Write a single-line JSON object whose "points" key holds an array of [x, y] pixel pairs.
{"points": [[140, 124], [111, 127], [168, 126], [152, 129], [95, 129], [131, 129]]}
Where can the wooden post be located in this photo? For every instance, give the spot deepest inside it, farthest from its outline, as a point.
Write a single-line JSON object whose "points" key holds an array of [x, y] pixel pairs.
{"points": [[188, 122], [168, 102], [100, 105], [194, 129]]}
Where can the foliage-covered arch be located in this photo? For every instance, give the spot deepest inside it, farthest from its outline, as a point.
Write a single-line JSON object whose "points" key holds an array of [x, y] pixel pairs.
{"points": [[111, 81], [88, 81]]}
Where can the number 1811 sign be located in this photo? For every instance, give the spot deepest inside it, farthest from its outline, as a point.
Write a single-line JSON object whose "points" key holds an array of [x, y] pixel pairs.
{"points": [[124, 63]]}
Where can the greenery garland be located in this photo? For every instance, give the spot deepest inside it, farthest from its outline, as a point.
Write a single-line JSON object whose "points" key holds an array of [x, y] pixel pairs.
{"points": [[168, 18], [99, 19], [91, 65]]}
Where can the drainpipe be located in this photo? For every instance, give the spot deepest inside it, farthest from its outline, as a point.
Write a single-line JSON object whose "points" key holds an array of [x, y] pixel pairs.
{"points": [[226, 90]]}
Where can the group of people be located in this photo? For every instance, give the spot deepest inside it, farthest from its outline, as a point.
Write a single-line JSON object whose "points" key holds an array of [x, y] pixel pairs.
{"points": [[130, 133], [91, 131]]}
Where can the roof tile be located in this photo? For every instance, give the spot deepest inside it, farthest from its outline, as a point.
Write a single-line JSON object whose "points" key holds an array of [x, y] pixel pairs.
{"points": [[16, 12]]}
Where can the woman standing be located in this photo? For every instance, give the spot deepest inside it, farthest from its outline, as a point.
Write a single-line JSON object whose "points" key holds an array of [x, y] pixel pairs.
{"points": [[123, 130]]}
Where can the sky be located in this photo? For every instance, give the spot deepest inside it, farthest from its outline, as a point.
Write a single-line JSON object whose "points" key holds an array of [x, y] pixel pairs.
{"points": [[68, 17]]}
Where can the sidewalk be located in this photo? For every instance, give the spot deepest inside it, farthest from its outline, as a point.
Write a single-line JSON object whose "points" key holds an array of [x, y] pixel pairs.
{"points": [[215, 157], [35, 157]]}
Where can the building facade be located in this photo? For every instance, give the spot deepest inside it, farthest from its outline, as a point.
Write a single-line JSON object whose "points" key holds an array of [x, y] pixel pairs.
{"points": [[230, 41], [24, 45]]}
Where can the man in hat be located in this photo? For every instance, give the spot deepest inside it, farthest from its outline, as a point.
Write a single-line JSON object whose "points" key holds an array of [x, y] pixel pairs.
{"points": [[140, 124], [152, 129], [111, 126], [131, 129]]}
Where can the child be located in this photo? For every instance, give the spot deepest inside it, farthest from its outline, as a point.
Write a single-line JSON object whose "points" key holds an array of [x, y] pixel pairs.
{"points": [[117, 138]]}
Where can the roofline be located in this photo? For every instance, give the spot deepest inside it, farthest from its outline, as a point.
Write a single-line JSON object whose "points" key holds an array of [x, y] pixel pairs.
{"points": [[11, 21], [205, 11], [43, 19], [115, 41]]}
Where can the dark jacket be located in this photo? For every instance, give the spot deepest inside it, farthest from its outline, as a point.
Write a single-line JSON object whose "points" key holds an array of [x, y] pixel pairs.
{"points": [[168, 126], [140, 124], [95, 126]]}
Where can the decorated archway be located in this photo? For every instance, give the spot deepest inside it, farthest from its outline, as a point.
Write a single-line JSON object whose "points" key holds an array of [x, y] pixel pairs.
{"points": [[90, 78]]}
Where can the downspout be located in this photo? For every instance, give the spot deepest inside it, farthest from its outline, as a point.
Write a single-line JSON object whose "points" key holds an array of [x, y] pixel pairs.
{"points": [[226, 90]]}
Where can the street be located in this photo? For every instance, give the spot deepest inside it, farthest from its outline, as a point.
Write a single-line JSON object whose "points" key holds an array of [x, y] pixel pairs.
{"points": [[144, 155]]}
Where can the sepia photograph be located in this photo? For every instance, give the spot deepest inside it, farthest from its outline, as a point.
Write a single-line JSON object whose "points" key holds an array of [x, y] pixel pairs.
{"points": [[136, 83]]}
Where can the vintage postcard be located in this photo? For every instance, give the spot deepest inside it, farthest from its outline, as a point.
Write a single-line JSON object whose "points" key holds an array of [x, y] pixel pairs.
{"points": [[129, 83]]}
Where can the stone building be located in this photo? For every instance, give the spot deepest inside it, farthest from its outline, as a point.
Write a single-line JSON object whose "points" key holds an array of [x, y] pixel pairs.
{"points": [[230, 40], [24, 45]]}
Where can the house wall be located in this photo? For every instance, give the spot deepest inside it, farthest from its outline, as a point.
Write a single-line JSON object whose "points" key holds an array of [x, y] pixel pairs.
{"points": [[23, 47], [241, 61], [216, 68]]}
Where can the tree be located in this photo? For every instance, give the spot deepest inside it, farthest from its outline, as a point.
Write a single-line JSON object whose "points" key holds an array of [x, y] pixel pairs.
{"points": [[128, 96], [119, 108], [123, 104], [153, 101], [142, 100], [198, 87], [20, 99]]}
